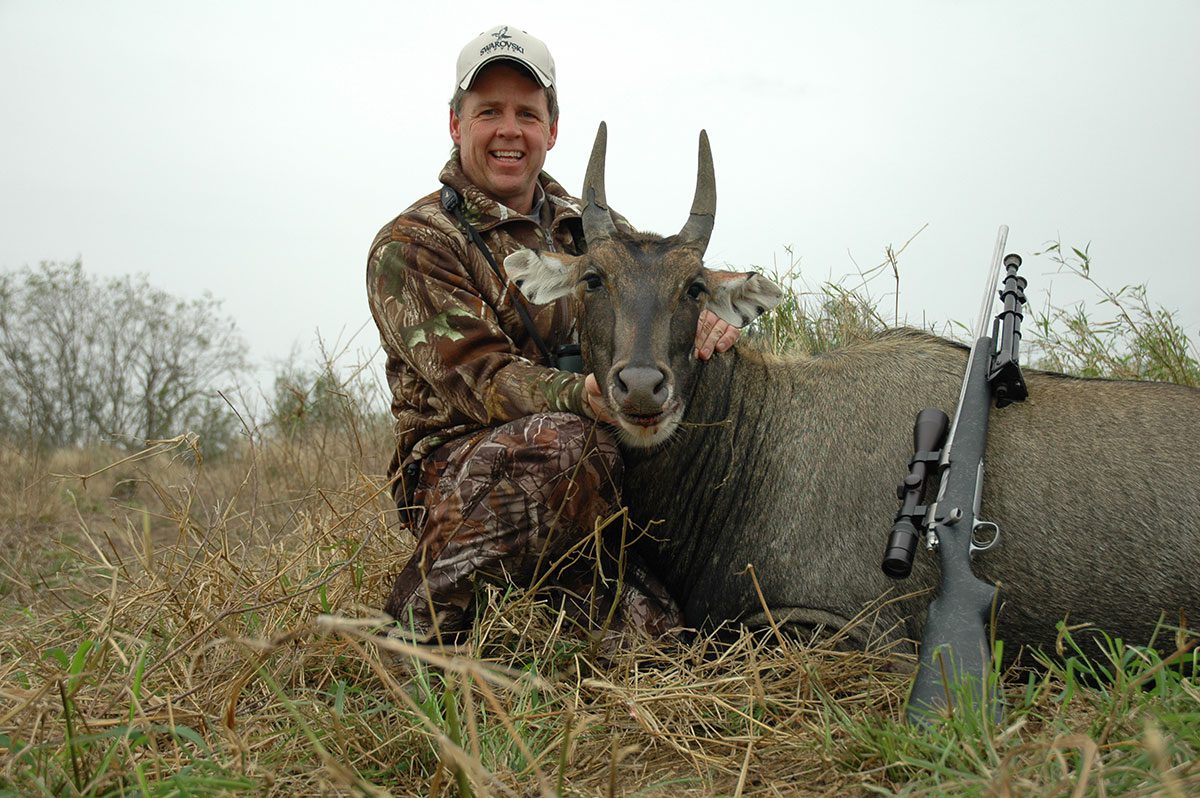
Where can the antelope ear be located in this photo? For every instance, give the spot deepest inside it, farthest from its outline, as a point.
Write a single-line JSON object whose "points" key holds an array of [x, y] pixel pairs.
{"points": [[741, 297], [542, 277]]}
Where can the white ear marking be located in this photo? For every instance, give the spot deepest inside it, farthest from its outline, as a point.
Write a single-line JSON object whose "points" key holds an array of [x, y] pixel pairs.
{"points": [[741, 297], [542, 277]]}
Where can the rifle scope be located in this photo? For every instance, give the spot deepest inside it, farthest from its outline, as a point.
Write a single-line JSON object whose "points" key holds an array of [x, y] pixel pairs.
{"points": [[929, 433]]}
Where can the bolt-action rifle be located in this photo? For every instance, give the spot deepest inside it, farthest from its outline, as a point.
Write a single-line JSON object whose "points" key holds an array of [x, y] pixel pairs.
{"points": [[955, 648]]}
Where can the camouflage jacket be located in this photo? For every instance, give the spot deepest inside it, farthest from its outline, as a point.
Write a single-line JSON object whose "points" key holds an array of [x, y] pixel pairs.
{"points": [[458, 356]]}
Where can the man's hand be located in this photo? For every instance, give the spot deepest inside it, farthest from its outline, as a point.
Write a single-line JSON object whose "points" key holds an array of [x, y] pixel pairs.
{"points": [[591, 391], [714, 334]]}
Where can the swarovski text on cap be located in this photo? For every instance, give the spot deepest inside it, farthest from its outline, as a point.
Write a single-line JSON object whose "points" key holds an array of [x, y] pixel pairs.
{"points": [[505, 42]]}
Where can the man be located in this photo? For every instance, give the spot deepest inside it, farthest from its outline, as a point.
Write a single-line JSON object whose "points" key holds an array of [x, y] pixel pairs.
{"points": [[499, 459]]}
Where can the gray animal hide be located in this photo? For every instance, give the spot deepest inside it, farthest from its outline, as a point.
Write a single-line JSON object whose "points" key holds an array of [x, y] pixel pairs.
{"points": [[792, 466]]}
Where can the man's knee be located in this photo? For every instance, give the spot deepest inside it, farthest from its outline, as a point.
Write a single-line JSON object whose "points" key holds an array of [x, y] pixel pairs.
{"points": [[564, 463], [555, 444]]}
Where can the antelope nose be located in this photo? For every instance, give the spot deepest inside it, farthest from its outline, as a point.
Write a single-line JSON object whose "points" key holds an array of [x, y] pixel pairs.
{"points": [[641, 386]]}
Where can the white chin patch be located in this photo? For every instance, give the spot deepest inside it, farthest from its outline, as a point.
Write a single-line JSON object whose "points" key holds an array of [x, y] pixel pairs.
{"points": [[636, 436]]}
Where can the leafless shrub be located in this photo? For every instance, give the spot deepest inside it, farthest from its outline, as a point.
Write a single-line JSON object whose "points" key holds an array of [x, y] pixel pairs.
{"points": [[86, 361]]}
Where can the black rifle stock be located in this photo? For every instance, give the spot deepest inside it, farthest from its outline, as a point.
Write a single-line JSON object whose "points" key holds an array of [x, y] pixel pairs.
{"points": [[955, 647]]}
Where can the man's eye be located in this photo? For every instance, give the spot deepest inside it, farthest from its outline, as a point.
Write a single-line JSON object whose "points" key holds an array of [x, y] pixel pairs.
{"points": [[592, 282], [697, 290]]}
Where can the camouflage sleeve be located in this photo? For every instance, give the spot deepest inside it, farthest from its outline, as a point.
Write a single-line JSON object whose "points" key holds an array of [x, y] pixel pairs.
{"points": [[435, 321]]}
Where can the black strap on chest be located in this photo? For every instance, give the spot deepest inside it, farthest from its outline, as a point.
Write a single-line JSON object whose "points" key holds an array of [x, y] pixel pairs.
{"points": [[451, 202]]}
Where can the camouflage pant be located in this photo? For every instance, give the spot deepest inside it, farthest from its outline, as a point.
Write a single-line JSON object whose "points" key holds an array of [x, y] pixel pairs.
{"points": [[526, 503]]}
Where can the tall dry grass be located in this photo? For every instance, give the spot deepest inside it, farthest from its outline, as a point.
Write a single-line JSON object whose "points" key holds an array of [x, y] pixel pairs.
{"points": [[173, 626]]}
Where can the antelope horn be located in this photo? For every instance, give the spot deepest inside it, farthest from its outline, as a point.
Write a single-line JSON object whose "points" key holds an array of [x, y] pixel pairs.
{"points": [[597, 221], [699, 225]]}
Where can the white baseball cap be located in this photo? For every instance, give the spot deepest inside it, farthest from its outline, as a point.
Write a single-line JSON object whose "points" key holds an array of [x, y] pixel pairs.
{"points": [[508, 43]]}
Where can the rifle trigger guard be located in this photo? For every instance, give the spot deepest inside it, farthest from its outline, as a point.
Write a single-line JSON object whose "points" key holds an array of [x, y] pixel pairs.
{"points": [[976, 544]]}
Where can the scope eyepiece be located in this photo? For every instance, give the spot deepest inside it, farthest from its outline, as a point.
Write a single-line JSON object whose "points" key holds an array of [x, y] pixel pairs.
{"points": [[901, 546]]}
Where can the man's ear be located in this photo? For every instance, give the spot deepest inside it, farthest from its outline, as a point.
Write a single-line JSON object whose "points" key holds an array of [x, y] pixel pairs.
{"points": [[741, 297], [542, 276], [455, 129]]}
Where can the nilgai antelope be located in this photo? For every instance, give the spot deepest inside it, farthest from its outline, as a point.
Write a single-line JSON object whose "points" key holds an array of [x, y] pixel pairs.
{"points": [[790, 464]]}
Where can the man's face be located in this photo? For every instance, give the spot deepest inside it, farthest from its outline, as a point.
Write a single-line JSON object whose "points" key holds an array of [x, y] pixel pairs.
{"points": [[504, 134]]}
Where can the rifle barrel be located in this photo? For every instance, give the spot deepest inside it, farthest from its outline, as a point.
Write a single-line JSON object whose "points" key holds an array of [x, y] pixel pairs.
{"points": [[989, 296], [955, 651]]}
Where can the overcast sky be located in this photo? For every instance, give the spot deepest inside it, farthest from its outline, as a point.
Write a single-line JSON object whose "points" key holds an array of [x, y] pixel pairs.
{"points": [[253, 149]]}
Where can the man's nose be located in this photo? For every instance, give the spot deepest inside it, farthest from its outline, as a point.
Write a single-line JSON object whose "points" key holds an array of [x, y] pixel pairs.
{"points": [[508, 124]]}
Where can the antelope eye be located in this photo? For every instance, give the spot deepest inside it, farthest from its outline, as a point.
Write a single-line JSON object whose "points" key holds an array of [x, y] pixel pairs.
{"points": [[697, 290], [592, 281]]}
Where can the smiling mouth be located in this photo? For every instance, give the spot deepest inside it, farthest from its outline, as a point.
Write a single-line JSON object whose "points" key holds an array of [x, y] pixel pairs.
{"points": [[508, 156]]}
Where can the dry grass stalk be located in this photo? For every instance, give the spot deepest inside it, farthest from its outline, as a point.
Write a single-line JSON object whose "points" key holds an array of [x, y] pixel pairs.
{"points": [[236, 643], [176, 626]]}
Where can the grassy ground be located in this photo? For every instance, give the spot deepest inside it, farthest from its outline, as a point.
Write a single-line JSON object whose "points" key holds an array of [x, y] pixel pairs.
{"points": [[176, 627]]}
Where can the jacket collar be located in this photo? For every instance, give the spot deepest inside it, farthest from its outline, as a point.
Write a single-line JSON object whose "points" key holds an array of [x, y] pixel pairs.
{"points": [[483, 212]]}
